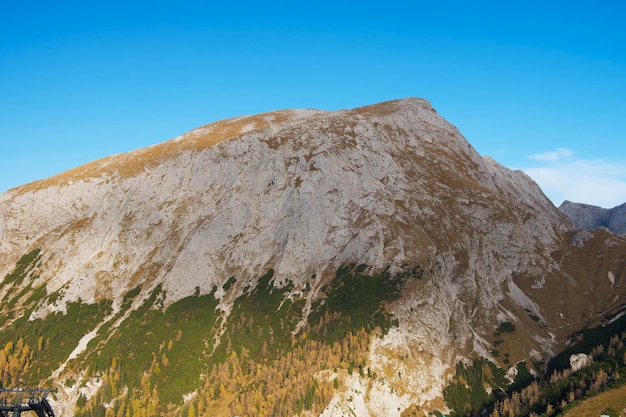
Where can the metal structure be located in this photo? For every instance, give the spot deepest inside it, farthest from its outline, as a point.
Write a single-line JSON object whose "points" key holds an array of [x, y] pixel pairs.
{"points": [[18, 400]]}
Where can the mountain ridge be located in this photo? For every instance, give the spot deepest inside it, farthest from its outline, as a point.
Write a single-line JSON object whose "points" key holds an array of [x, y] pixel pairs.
{"points": [[179, 146], [281, 203], [591, 217]]}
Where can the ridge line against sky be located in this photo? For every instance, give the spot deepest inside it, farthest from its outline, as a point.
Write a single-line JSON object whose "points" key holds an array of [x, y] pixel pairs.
{"points": [[539, 86]]}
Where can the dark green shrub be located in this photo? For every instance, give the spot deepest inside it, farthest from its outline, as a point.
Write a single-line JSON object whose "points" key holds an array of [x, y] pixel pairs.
{"points": [[506, 327]]}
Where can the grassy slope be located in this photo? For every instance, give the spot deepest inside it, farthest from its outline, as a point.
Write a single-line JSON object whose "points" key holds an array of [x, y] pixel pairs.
{"points": [[614, 399]]}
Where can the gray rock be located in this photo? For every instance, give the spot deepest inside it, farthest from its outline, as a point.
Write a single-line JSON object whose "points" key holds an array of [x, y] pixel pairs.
{"points": [[586, 216]]}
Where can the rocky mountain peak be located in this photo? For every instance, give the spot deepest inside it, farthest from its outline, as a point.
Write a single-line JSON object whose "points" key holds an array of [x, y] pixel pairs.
{"points": [[590, 217], [301, 192], [392, 188]]}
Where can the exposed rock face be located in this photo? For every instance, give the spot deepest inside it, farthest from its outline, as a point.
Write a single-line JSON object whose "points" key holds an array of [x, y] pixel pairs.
{"points": [[391, 185], [591, 217], [579, 361]]}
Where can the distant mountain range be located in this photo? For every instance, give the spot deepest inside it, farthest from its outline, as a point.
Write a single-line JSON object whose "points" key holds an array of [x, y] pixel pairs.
{"points": [[591, 217]]}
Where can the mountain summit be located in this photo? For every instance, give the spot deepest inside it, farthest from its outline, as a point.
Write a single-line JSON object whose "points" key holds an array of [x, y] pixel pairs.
{"points": [[375, 238], [590, 217]]}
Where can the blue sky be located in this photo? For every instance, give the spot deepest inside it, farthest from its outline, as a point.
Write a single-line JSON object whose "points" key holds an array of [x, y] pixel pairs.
{"points": [[539, 86]]}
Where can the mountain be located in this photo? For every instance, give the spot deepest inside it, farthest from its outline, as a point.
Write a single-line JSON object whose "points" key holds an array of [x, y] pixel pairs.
{"points": [[297, 262], [591, 217]]}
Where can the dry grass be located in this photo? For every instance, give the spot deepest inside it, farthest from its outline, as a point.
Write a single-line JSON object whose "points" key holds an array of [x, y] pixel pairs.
{"points": [[593, 407], [131, 163]]}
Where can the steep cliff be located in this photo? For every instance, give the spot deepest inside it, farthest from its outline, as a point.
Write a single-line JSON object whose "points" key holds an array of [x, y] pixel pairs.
{"points": [[590, 217]]}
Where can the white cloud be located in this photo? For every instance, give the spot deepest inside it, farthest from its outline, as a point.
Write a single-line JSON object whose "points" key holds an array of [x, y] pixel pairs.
{"points": [[563, 176], [552, 156]]}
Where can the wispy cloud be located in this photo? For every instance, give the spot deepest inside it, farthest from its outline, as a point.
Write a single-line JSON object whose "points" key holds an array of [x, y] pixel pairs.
{"points": [[552, 156], [563, 176]]}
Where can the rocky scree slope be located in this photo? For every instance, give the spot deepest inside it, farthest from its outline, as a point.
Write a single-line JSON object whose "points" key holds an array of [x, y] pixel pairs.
{"points": [[392, 187]]}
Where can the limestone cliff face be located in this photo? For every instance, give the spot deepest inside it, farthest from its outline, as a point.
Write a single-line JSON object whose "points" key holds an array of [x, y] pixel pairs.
{"points": [[391, 185], [590, 217]]}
